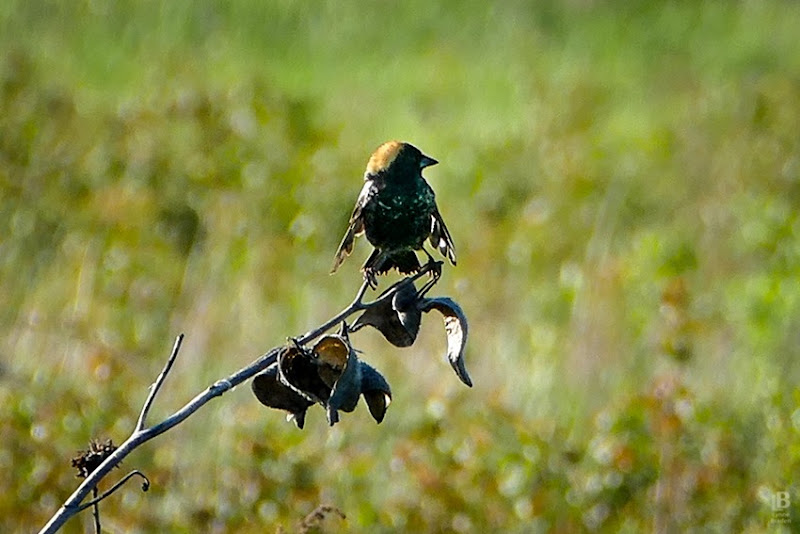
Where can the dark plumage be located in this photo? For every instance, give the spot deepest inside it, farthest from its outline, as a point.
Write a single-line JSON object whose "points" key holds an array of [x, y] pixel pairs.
{"points": [[397, 211]]}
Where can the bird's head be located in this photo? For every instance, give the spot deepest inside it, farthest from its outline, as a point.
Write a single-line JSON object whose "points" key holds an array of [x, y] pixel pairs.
{"points": [[397, 158]]}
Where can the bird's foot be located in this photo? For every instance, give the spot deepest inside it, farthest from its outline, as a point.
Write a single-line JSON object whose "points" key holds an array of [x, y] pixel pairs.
{"points": [[371, 277], [435, 268]]}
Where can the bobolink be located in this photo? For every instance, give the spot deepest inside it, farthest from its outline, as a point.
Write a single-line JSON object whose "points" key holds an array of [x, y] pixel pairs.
{"points": [[397, 211]]}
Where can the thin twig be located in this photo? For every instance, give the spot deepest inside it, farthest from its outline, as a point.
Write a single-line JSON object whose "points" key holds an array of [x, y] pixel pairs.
{"points": [[155, 386], [95, 499], [73, 503], [354, 306], [96, 511]]}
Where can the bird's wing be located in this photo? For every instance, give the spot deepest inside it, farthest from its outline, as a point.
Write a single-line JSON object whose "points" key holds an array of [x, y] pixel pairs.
{"points": [[440, 236], [356, 226]]}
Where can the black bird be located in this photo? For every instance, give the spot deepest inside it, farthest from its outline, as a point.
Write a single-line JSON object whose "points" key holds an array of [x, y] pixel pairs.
{"points": [[397, 211]]}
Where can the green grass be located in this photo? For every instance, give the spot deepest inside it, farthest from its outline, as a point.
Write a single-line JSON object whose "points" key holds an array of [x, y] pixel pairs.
{"points": [[622, 183]]}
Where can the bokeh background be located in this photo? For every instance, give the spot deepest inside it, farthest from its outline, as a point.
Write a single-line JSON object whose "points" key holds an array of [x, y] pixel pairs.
{"points": [[622, 182]]}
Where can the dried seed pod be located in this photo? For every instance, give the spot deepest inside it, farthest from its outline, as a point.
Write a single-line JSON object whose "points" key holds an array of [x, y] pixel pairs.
{"points": [[329, 374], [298, 371], [398, 318], [376, 391], [455, 324], [338, 367], [271, 392]]}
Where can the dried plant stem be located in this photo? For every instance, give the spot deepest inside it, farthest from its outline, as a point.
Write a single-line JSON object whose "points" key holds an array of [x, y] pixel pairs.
{"points": [[141, 434], [96, 511], [158, 383], [95, 499], [73, 504]]}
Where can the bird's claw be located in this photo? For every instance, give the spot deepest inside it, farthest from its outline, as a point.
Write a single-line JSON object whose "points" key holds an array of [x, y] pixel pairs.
{"points": [[435, 268], [371, 278]]}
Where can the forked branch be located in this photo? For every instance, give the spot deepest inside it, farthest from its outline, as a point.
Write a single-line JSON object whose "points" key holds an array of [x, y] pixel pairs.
{"points": [[142, 434]]}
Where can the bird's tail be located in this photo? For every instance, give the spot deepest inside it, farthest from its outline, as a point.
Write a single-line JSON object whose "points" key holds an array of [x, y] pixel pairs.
{"points": [[405, 261]]}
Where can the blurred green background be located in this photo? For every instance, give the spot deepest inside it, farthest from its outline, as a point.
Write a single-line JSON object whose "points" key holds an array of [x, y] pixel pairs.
{"points": [[622, 182]]}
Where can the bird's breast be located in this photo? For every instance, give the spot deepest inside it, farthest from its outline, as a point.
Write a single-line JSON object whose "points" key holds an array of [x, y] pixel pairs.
{"points": [[399, 218]]}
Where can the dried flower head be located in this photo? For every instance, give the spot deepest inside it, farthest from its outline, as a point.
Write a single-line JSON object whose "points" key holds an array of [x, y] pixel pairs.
{"points": [[90, 459]]}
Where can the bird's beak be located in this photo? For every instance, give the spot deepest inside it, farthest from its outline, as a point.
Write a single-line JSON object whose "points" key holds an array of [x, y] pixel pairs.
{"points": [[426, 162]]}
